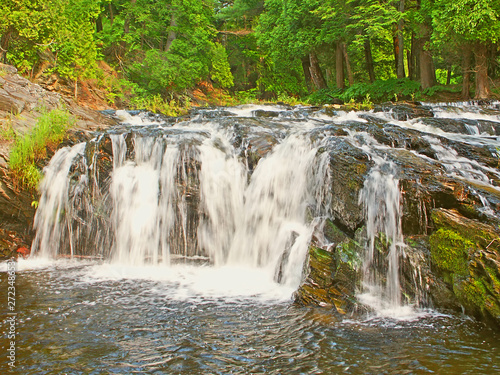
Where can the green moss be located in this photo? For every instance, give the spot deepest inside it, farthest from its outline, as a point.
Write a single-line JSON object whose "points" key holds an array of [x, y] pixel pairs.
{"points": [[450, 251]]}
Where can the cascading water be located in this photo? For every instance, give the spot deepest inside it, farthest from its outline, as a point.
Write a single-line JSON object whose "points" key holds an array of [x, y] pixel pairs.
{"points": [[381, 197], [233, 194], [52, 221], [201, 229], [187, 194]]}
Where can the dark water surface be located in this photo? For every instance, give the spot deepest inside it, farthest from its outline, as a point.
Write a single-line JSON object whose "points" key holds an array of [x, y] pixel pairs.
{"points": [[70, 321]]}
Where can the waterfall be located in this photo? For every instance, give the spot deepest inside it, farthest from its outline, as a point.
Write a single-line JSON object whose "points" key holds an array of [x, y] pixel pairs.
{"points": [[59, 196], [381, 197], [187, 194]]}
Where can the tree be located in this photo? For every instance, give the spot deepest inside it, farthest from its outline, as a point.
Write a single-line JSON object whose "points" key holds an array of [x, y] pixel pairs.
{"points": [[477, 24], [61, 31]]}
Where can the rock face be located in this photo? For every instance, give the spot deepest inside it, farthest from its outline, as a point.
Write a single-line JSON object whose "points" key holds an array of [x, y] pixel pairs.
{"points": [[21, 103], [465, 253], [333, 273]]}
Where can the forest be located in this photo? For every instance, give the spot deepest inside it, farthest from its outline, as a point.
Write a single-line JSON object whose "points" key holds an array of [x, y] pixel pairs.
{"points": [[319, 51]]}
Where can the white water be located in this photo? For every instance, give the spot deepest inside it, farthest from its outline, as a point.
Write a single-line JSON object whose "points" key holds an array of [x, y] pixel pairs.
{"points": [[247, 225], [54, 210], [253, 228]]}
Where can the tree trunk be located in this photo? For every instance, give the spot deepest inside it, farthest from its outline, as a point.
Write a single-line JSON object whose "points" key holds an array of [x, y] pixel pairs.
{"points": [[306, 66], [350, 77], [466, 69], [339, 66], [492, 61], [401, 56], [126, 29], [427, 73], [172, 35], [4, 46], [316, 74], [482, 83], [126, 24], [111, 14], [369, 60], [448, 76], [98, 24]]}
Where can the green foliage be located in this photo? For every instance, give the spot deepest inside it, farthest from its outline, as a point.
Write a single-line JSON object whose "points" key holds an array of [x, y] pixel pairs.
{"points": [[382, 90], [157, 104], [431, 91], [221, 71], [58, 31], [30, 148], [324, 96], [248, 96]]}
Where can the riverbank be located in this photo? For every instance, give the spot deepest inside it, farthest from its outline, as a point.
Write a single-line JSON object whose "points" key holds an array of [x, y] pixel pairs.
{"points": [[22, 103]]}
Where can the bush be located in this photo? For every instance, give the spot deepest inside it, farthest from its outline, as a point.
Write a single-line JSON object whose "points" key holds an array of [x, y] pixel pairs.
{"points": [[383, 90]]}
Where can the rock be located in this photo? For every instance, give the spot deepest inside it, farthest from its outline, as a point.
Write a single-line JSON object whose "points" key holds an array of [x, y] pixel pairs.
{"points": [[264, 113], [332, 275], [8, 69], [10, 104], [349, 167], [466, 255], [403, 112]]}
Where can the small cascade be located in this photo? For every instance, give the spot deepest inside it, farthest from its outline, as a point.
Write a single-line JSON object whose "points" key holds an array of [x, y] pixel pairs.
{"points": [[380, 198], [60, 195]]}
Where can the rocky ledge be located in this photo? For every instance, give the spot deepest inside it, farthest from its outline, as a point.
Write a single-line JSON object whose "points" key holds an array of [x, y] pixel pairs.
{"points": [[21, 103]]}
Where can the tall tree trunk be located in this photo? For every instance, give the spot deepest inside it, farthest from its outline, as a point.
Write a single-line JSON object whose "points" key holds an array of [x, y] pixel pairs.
{"points": [[98, 24], [369, 60], [306, 66], [316, 74], [111, 14], [350, 77], [411, 58], [172, 35], [492, 61], [401, 55], [4, 46], [427, 72], [126, 29], [339, 66], [466, 70], [448, 76], [482, 83]]}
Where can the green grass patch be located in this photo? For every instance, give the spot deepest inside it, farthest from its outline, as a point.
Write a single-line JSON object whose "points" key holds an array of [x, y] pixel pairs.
{"points": [[30, 148]]}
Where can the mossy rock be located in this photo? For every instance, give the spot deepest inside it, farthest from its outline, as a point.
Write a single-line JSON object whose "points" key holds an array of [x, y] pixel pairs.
{"points": [[331, 278], [450, 251], [466, 255]]}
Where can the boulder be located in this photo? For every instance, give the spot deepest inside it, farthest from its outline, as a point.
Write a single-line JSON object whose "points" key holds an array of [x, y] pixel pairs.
{"points": [[465, 253]]}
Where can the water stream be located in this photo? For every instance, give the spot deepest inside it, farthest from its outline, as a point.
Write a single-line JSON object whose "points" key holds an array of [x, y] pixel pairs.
{"points": [[189, 239]]}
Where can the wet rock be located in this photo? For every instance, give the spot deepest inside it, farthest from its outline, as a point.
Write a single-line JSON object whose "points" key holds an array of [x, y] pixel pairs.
{"points": [[466, 255], [403, 112], [349, 167], [331, 278], [264, 113]]}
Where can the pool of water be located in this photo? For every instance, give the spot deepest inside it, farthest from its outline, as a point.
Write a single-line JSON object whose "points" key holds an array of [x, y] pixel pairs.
{"points": [[86, 318]]}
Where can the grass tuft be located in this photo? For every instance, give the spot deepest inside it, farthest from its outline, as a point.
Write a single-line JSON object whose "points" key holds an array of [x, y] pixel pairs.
{"points": [[30, 148]]}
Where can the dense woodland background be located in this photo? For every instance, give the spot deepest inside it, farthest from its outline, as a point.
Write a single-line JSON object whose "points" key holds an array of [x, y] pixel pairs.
{"points": [[318, 50]]}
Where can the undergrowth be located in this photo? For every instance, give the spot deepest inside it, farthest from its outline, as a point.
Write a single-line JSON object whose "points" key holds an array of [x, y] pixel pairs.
{"points": [[30, 148]]}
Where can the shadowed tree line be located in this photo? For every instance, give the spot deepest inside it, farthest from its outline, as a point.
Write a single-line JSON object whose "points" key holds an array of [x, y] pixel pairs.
{"points": [[341, 48]]}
